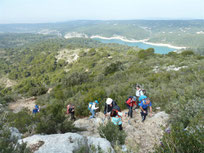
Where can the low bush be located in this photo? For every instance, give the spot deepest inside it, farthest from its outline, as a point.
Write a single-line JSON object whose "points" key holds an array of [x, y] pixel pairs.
{"points": [[76, 78], [182, 140], [187, 53], [9, 144], [84, 147], [113, 67], [22, 120], [52, 120], [144, 54], [112, 133]]}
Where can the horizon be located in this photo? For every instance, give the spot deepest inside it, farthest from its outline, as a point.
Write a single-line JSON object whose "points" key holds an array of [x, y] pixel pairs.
{"points": [[52, 11], [65, 21]]}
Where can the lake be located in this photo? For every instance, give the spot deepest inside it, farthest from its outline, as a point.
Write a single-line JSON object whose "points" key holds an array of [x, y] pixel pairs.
{"points": [[158, 49]]}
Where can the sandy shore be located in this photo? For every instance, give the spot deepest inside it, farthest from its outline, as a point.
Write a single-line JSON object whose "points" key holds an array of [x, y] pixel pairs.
{"points": [[133, 41], [120, 38]]}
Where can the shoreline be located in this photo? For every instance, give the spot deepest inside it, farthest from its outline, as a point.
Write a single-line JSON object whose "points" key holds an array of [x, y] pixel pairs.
{"points": [[135, 41]]}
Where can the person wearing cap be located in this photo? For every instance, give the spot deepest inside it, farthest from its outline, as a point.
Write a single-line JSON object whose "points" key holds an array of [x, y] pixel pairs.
{"points": [[109, 106], [93, 108]]}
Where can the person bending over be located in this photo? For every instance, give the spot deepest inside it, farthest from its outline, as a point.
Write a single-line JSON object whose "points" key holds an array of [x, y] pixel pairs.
{"points": [[144, 108], [109, 106], [116, 118]]}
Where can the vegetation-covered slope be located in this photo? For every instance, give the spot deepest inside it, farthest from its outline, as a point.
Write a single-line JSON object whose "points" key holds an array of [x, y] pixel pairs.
{"points": [[174, 82]]}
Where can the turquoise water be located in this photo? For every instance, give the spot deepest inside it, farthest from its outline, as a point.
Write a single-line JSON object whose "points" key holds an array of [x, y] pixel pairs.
{"points": [[158, 49]]}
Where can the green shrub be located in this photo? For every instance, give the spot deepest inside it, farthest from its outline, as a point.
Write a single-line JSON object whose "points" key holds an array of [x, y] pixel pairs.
{"points": [[9, 144], [113, 67], [58, 93], [22, 120], [181, 140], [76, 78], [52, 120], [31, 87], [92, 52], [36, 91], [112, 133], [84, 147], [144, 54], [187, 53]]}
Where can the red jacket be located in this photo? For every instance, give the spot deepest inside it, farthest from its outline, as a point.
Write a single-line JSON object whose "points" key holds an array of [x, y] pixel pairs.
{"points": [[130, 102]]}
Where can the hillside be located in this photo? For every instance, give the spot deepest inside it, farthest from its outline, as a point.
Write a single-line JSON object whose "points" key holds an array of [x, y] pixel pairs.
{"points": [[174, 82], [188, 33]]}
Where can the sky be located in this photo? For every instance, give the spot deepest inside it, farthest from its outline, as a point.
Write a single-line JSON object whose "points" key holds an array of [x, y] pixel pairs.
{"points": [[42, 11]]}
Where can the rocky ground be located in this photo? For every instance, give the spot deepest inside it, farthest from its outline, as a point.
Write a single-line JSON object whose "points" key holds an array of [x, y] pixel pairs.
{"points": [[141, 136], [65, 143]]}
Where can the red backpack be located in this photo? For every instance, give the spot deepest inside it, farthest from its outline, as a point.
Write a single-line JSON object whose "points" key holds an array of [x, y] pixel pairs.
{"points": [[131, 102], [117, 112]]}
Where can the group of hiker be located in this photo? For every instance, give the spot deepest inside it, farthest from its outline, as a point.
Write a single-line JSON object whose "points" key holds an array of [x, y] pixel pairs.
{"points": [[113, 111]]}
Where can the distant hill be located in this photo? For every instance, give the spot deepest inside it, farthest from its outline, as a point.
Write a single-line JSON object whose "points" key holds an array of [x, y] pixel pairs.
{"points": [[189, 33]]}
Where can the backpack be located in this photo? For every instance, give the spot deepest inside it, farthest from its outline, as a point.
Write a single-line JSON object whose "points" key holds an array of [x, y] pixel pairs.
{"points": [[116, 107], [128, 101], [90, 105], [117, 112], [144, 91]]}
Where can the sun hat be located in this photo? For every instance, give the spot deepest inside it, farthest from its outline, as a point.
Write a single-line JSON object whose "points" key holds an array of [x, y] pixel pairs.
{"points": [[109, 101]]}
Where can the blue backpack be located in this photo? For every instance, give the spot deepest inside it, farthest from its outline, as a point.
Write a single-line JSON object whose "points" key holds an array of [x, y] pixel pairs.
{"points": [[90, 105]]}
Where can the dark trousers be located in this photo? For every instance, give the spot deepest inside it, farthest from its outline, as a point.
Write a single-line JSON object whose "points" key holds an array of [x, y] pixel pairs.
{"points": [[72, 116], [130, 111], [120, 127], [137, 102], [144, 114]]}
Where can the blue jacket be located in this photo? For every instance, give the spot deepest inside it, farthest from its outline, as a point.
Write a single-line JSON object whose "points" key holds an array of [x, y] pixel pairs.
{"points": [[144, 105]]}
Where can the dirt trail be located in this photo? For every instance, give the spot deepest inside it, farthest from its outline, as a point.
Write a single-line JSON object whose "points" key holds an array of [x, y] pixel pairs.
{"points": [[141, 136], [28, 103]]}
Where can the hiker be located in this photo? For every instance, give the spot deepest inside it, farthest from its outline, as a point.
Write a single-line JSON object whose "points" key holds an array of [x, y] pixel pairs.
{"points": [[144, 108], [36, 109], [116, 118], [92, 107], [109, 105], [138, 93], [70, 110], [130, 102]]}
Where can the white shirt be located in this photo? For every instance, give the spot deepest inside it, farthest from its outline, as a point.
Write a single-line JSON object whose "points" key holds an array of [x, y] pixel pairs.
{"points": [[93, 107], [139, 93]]}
